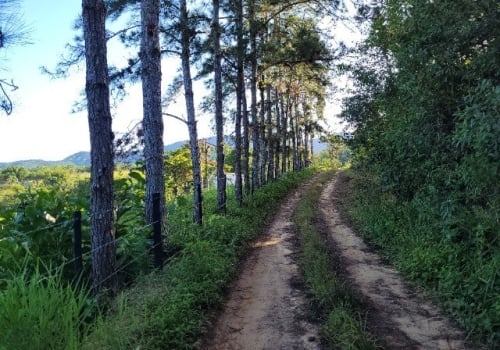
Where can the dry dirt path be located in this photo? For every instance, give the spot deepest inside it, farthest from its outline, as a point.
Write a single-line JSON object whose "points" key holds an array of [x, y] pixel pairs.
{"points": [[399, 316], [266, 308]]}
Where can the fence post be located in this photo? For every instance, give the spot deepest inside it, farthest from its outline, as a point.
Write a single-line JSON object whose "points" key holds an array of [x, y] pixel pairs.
{"points": [[157, 240], [77, 243]]}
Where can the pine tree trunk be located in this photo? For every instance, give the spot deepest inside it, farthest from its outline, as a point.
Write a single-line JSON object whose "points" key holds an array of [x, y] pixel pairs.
{"points": [[152, 110], [191, 115], [219, 119], [278, 145], [246, 142], [253, 98], [240, 91], [262, 136], [270, 139], [284, 136], [101, 146]]}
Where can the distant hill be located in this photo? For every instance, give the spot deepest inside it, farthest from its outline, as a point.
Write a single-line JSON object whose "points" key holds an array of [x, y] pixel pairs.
{"points": [[78, 159], [83, 158]]}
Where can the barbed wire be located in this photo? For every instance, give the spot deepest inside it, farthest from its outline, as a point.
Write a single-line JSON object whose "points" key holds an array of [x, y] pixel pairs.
{"points": [[50, 271], [123, 267], [95, 249]]}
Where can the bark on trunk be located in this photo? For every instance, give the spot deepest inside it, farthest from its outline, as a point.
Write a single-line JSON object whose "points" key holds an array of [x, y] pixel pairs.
{"points": [[270, 138], [262, 136], [278, 145], [240, 91], [152, 110], [191, 115], [219, 119], [101, 146], [246, 142], [253, 98], [284, 137]]}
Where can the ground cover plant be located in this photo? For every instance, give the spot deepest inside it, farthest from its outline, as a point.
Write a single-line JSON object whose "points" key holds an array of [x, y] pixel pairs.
{"points": [[40, 311]]}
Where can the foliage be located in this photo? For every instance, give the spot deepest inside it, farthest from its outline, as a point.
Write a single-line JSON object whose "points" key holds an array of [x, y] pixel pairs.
{"points": [[40, 312], [426, 108], [178, 172], [338, 308], [38, 224], [337, 155]]}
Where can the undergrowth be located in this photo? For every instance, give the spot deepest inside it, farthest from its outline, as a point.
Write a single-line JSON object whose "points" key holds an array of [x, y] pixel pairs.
{"points": [[338, 308], [415, 238]]}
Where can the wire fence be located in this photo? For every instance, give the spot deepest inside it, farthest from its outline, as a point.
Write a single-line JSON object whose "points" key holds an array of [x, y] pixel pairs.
{"points": [[79, 256]]}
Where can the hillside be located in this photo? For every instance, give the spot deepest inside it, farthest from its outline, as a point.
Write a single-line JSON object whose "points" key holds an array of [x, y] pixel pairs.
{"points": [[83, 158]]}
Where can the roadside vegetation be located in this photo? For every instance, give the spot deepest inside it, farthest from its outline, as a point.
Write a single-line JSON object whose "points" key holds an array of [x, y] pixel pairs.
{"points": [[425, 186], [338, 308], [413, 238]]}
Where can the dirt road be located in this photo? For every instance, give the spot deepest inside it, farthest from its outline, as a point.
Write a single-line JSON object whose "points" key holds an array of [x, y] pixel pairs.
{"points": [[267, 306], [266, 309]]}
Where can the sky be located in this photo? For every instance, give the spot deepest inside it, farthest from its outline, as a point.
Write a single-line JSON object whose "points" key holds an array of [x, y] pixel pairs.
{"points": [[42, 125]]}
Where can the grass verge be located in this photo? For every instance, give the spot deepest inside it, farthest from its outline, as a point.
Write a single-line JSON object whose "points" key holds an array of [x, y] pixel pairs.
{"points": [[337, 307]]}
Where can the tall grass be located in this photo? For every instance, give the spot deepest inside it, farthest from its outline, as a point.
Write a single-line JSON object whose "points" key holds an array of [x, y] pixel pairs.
{"points": [[40, 312]]}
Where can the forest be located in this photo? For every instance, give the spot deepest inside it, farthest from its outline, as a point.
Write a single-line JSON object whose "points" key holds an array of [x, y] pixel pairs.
{"points": [[160, 247]]}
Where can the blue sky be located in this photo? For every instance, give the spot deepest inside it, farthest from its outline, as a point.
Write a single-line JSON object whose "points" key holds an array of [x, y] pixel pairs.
{"points": [[42, 125]]}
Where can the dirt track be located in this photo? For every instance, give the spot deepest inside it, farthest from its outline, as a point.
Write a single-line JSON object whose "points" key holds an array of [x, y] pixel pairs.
{"points": [[267, 307], [400, 316]]}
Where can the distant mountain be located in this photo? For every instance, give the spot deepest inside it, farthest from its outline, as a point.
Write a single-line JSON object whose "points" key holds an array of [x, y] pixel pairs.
{"points": [[78, 159], [30, 163], [83, 158]]}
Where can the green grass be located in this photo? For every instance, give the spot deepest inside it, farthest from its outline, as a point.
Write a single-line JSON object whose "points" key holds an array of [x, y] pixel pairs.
{"points": [[337, 307]]}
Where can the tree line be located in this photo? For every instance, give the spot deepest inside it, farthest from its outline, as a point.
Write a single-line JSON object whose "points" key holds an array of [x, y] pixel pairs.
{"points": [[265, 63]]}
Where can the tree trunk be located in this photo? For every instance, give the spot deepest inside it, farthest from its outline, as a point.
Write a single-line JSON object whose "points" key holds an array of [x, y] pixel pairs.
{"points": [[101, 146], [262, 136], [191, 115], [270, 139], [219, 119], [253, 98], [152, 110], [278, 145], [284, 135], [246, 142], [240, 91]]}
